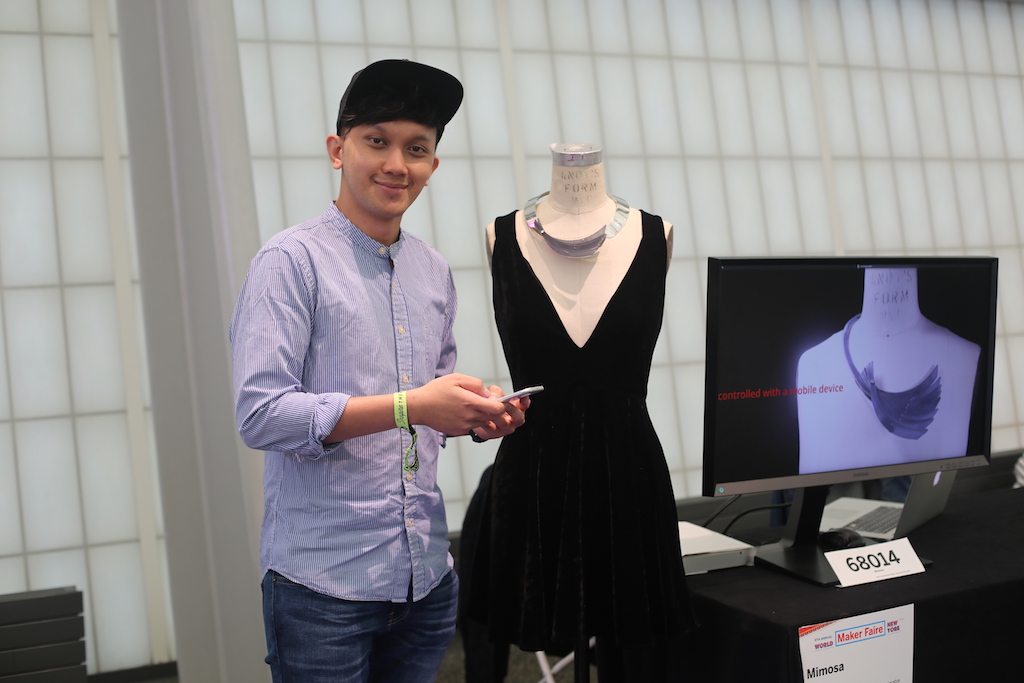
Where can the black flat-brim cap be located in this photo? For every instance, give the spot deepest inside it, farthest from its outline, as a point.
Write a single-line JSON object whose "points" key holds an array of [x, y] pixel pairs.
{"points": [[443, 90]]}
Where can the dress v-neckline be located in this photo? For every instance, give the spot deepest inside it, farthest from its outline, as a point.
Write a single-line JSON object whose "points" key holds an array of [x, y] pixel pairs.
{"points": [[547, 297]]}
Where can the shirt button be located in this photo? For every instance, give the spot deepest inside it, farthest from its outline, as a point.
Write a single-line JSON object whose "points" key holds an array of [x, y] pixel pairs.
{"points": [[408, 523], [401, 329], [405, 378], [408, 476], [382, 251]]}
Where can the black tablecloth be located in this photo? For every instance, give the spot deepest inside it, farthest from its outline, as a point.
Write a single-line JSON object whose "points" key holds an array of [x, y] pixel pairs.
{"points": [[968, 604]]}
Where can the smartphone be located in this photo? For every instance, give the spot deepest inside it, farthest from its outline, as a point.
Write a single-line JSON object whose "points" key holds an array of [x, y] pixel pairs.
{"points": [[522, 392]]}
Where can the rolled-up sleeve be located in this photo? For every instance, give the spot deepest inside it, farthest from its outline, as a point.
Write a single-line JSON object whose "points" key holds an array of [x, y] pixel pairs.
{"points": [[270, 334]]}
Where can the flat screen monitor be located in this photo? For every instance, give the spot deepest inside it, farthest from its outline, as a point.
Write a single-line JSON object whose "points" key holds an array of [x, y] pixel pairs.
{"points": [[844, 369]]}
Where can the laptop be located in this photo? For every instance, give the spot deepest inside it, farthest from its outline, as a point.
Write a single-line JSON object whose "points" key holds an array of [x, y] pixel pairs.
{"points": [[882, 520]]}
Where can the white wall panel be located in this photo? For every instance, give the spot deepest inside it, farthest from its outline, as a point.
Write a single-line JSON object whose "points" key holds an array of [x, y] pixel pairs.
{"points": [[974, 35], [756, 36], [37, 357], [647, 25], [457, 233], [973, 211], [83, 223], [683, 309], [917, 31], [746, 215], [721, 29], [249, 19], [685, 29], [48, 482], [732, 109], [105, 468], [254, 60], [477, 22], [887, 25], [869, 107], [858, 32], [985, 113], [307, 185], [658, 122], [1001, 44], [28, 239], [770, 118], [298, 102], [65, 16], [946, 32], [537, 101], [119, 606], [883, 207], [781, 212], [696, 108], [433, 23], [945, 205], [900, 115], [915, 215], [999, 204], [578, 100], [473, 325], [709, 201], [71, 96], [10, 499], [827, 32], [94, 354], [13, 578], [608, 23], [19, 15], [340, 21], [931, 119], [802, 123], [23, 105], [814, 213], [787, 21], [840, 118], [486, 110]]}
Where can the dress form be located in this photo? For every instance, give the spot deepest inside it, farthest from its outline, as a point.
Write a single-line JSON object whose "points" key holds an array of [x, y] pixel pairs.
{"points": [[838, 424], [576, 207], [582, 476]]}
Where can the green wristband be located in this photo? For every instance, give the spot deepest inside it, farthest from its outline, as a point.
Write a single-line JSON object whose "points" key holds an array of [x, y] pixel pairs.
{"points": [[402, 422]]}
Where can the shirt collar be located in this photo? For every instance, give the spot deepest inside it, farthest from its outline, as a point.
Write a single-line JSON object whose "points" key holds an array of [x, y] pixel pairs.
{"points": [[361, 239]]}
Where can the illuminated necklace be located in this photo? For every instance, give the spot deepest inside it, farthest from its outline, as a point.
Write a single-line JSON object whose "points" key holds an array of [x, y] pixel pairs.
{"points": [[907, 414], [585, 246]]}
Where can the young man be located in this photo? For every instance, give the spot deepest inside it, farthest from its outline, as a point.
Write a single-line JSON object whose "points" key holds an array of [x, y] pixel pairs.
{"points": [[343, 356]]}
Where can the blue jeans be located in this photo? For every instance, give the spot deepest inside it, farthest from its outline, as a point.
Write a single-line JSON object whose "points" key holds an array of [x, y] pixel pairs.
{"points": [[314, 638]]}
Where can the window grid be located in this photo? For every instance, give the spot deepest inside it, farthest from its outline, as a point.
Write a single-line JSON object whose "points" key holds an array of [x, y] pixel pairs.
{"points": [[74, 430]]}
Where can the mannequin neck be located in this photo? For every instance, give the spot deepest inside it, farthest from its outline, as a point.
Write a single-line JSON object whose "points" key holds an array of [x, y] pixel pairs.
{"points": [[890, 301], [577, 189]]}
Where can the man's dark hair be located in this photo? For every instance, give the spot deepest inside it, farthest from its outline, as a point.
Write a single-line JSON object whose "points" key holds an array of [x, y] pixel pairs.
{"points": [[390, 104]]}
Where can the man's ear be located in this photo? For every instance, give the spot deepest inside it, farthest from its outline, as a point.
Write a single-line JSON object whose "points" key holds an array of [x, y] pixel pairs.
{"points": [[432, 169], [334, 143]]}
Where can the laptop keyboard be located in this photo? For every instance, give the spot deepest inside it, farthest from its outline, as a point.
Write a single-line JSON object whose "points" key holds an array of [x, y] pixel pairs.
{"points": [[881, 520]]}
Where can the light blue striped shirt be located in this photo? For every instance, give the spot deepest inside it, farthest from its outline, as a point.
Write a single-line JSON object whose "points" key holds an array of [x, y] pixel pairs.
{"points": [[323, 316]]}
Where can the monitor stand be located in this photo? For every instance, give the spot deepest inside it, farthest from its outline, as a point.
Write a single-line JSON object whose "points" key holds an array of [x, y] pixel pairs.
{"points": [[798, 553]]}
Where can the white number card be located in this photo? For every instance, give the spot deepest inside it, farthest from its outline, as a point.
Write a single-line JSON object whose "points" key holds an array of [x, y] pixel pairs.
{"points": [[854, 566]]}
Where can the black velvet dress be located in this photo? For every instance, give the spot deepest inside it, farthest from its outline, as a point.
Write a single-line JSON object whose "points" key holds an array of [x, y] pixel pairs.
{"points": [[581, 536]]}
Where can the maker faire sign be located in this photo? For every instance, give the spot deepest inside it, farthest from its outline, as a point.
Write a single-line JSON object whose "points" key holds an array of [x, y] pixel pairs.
{"points": [[870, 648]]}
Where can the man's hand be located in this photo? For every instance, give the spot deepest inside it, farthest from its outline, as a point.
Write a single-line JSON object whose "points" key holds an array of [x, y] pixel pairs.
{"points": [[453, 404], [506, 423]]}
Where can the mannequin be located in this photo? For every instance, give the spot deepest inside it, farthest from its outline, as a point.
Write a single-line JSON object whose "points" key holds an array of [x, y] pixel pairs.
{"points": [[927, 371], [582, 522], [576, 206]]}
